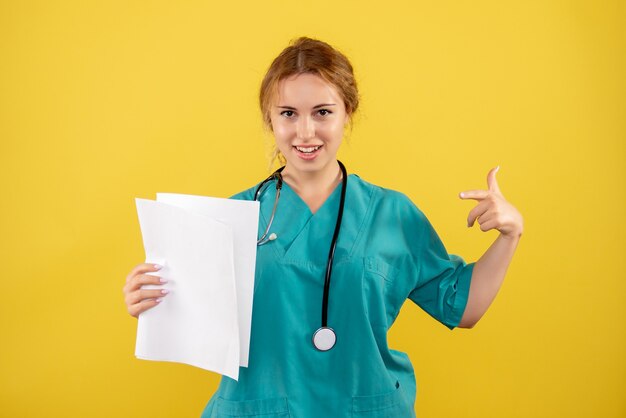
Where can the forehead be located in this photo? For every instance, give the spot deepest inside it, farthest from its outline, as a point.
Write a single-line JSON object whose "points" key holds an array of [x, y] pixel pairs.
{"points": [[306, 90]]}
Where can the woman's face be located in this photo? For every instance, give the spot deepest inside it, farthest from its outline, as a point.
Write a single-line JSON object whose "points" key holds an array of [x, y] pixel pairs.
{"points": [[308, 120]]}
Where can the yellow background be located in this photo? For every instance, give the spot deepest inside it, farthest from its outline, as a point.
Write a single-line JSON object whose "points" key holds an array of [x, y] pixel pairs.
{"points": [[102, 102]]}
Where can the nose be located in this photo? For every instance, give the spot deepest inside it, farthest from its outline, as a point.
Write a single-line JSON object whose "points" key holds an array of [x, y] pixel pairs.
{"points": [[305, 128]]}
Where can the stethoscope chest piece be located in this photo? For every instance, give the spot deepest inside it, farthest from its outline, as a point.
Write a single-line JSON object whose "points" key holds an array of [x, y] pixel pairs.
{"points": [[324, 339]]}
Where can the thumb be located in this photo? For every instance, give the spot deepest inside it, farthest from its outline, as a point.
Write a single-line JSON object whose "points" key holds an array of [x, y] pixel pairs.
{"points": [[491, 180]]}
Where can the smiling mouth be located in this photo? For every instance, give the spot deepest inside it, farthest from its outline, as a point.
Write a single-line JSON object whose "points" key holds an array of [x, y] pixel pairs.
{"points": [[308, 150]]}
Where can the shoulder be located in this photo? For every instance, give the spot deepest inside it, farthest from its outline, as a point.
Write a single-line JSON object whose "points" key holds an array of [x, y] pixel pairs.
{"points": [[247, 194], [388, 200]]}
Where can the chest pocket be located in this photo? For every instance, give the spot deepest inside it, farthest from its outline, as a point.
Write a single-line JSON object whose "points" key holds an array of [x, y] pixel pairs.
{"points": [[265, 408], [387, 405], [379, 302]]}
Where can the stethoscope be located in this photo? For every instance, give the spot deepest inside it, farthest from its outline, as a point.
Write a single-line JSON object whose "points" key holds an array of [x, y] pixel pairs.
{"points": [[325, 337]]}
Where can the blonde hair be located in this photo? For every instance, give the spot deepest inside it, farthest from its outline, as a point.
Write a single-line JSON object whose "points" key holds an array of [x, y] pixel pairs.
{"points": [[307, 55]]}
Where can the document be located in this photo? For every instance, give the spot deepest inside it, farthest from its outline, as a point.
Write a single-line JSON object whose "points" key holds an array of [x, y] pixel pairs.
{"points": [[243, 217], [207, 256]]}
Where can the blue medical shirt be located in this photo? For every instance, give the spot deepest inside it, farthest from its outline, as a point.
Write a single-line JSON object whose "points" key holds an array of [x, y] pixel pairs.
{"points": [[387, 251]]}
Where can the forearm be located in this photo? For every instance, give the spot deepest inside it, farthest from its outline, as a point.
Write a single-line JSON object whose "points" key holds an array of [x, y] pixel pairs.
{"points": [[487, 278]]}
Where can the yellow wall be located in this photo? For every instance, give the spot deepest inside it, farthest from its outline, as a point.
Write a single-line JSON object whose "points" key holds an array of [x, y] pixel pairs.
{"points": [[102, 102]]}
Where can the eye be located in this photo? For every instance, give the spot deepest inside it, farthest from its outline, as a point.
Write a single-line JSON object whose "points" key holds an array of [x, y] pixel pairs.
{"points": [[287, 113], [326, 112]]}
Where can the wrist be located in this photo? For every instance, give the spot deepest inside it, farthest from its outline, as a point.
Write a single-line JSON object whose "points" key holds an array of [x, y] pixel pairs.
{"points": [[512, 236]]}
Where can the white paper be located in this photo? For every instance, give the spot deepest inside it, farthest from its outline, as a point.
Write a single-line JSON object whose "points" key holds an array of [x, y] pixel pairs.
{"points": [[243, 217], [197, 322]]}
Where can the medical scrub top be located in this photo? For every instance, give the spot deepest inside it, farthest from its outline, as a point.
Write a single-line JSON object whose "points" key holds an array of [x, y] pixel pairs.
{"points": [[387, 251]]}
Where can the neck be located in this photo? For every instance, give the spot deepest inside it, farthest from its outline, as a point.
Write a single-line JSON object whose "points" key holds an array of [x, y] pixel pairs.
{"points": [[314, 182], [314, 188]]}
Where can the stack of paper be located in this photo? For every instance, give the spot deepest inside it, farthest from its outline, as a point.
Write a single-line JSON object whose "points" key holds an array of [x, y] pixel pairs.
{"points": [[207, 247]]}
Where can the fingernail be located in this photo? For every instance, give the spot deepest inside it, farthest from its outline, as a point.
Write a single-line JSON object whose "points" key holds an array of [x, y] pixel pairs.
{"points": [[165, 291], [158, 300], [162, 280], [461, 194], [497, 168], [158, 267]]}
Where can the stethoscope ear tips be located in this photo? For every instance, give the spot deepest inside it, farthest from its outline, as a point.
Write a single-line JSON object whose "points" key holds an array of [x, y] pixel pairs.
{"points": [[272, 236]]}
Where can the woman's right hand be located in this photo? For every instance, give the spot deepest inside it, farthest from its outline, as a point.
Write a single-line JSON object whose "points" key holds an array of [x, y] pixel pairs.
{"points": [[137, 299]]}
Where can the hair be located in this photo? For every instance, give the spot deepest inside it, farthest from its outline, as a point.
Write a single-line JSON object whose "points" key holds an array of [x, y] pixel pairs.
{"points": [[307, 55]]}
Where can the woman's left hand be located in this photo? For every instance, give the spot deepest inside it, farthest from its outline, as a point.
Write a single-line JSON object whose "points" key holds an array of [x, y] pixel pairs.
{"points": [[493, 211]]}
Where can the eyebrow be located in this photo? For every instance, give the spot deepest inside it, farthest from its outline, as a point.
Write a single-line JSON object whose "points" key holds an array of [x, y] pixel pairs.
{"points": [[314, 107]]}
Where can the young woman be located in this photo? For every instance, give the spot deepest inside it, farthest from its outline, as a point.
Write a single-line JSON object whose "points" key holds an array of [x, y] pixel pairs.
{"points": [[337, 258]]}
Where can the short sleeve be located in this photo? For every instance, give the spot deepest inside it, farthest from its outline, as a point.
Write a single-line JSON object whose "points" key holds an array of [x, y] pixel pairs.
{"points": [[443, 280], [245, 195]]}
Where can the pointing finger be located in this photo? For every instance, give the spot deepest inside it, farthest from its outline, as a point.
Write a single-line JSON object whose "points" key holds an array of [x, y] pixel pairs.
{"points": [[474, 194]]}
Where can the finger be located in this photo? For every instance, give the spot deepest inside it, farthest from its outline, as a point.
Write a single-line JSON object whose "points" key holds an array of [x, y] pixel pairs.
{"points": [[137, 281], [488, 224], [142, 294], [491, 180], [474, 194], [143, 306], [143, 268], [477, 211], [142, 279]]}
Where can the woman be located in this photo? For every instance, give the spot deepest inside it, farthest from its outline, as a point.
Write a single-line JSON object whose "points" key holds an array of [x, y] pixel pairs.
{"points": [[375, 244]]}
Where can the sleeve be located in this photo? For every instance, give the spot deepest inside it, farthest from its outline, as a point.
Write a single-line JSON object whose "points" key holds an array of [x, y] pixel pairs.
{"points": [[443, 280], [245, 195]]}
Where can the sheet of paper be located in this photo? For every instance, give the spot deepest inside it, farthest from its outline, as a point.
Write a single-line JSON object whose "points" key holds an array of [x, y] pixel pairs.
{"points": [[196, 323], [243, 217]]}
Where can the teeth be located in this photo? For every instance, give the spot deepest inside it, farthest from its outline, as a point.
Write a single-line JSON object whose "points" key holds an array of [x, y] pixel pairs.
{"points": [[308, 149]]}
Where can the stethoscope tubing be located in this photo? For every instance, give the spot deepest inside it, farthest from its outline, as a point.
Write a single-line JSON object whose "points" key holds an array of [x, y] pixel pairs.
{"points": [[324, 331], [333, 245], [279, 185]]}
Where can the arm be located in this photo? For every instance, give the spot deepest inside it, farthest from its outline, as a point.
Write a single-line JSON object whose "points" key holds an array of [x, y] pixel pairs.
{"points": [[492, 212], [487, 279]]}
